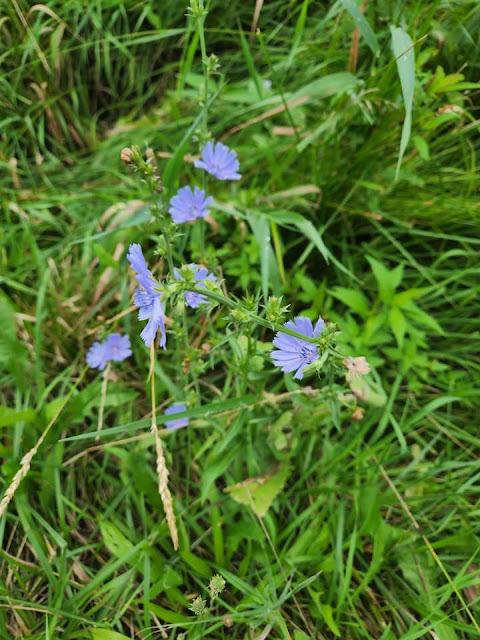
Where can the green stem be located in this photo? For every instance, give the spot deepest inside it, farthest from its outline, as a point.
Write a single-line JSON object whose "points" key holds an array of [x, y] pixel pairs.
{"points": [[102, 399], [203, 49], [187, 347], [156, 208], [274, 326], [169, 253]]}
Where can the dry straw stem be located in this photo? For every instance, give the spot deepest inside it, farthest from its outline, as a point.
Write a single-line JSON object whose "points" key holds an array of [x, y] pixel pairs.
{"points": [[162, 471], [27, 458]]}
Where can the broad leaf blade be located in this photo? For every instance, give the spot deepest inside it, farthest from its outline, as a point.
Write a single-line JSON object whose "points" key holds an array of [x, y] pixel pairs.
{"points": [[259, 493]]}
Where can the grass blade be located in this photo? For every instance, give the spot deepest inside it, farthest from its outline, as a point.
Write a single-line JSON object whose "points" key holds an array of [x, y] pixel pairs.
{"points": [[362, 23], [403, 50]]}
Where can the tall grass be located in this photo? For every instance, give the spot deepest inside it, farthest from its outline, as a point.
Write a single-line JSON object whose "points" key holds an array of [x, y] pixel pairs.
{"points": [[375, 532]]}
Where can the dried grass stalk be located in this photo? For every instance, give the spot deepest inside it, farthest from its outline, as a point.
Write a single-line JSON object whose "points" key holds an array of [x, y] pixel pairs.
{"points": [[162, 471], [27, 458]]}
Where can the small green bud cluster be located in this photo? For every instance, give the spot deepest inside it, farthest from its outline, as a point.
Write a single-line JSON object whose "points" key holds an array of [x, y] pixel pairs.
{"points": [[216, 586], [199, 606], [239, 315], [274, 311], [197, 9], [133, 157], [212, 64], [328, 338]]}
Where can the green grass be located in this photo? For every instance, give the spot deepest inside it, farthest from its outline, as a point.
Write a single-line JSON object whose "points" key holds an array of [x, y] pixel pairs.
{"points": [[374, 533]]}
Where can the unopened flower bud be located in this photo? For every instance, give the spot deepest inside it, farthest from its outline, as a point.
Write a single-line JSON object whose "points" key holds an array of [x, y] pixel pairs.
{"points": [[274, 310], [358, 414], [126, 155], [213, 64], [239, 315], [196, 8], [180, 308]]}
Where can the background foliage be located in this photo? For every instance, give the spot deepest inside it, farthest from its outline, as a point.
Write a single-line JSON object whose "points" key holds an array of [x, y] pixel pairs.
{"points": [[373, 530]]}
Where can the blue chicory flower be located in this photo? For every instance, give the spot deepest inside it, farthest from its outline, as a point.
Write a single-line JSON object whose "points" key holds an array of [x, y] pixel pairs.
{"points": [[219, 161], [294, 353], [147, 298], [189, 204], [176, 424], [114, 348], [200, 275]]}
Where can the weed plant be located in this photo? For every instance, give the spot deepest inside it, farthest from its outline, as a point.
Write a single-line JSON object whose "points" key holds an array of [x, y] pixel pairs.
{"points": [[304, 508]]}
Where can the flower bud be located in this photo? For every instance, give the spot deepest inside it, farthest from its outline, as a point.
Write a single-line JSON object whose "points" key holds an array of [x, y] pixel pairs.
{"points": [[274, 310], [205, 347], [239, 315], [197, 9], [126, 155], [180, 307], [213, 64], [358, 414]]}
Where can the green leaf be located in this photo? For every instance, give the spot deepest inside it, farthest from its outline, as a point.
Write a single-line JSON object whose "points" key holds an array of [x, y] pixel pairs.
{"points": [[309, 543], [106, 634], [114, 540], [106, 259], [13, 354], [367, 392], [442, 83], [354, 299], [373, 328], [327, 613], [404, 53], [215, 467], [398, 324], [53, 407], [250, 63], [10, 417], [305, 226], [410, 294], [362, 24], [173, 166], [195, 562], [311, 233], [327, 86], [421, 146], [387, 281], [166, 615], [260, 492], [420, 317], [140, 217]]}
